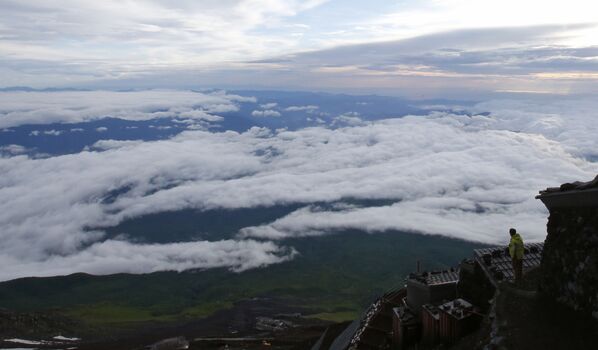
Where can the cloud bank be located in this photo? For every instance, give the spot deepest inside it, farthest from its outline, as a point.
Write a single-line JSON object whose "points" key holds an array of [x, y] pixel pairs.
{"points": [[20, 107], [266, 113], [466, 176], [117, 256]]}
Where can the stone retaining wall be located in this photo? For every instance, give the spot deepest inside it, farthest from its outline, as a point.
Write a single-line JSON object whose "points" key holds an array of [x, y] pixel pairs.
{"points": [[570, 259]]}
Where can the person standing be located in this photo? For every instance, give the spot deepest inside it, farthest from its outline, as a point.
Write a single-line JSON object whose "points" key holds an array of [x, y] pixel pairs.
{"points": [[516, 251]]}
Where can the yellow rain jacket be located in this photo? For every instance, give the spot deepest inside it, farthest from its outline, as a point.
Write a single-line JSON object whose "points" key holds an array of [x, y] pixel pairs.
{"points": [[516, 247]]}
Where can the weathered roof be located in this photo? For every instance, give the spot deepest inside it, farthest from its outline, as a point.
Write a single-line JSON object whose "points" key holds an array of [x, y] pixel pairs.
{"points": [[344, 339], [433, 310], [436, 277], [576, 194], [573, 186], [496, 261], [457, 308], [375, 324], [404, 314]]}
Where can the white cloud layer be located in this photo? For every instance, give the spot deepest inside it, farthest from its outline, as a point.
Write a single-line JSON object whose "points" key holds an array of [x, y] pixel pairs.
{"points": [[469, 177], [18, 107], [301, 108], [567, 121], [12, 149], [115, 256], [266, 113]]}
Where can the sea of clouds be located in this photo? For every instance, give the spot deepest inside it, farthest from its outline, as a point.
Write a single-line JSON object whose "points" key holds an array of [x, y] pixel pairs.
{"points": [[46, 107], [469, 176]]}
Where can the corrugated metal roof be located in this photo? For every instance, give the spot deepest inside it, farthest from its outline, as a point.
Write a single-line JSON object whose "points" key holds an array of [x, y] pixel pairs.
{"points": [[404, 314], [458, 308], [436, 277], [432, 310], [373, 326], [574, 186], [344, 339], [496, 261], [439, 277]]}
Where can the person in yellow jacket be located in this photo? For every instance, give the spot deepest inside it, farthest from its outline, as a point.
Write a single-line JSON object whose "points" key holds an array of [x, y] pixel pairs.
{"points": [[516, 251]]}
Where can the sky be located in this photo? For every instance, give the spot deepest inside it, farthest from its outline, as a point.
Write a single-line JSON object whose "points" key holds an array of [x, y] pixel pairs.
{"points": [[418, 49]]}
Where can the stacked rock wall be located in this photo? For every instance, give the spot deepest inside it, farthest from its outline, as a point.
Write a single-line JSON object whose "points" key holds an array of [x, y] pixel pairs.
{"points": [[570, 259]]}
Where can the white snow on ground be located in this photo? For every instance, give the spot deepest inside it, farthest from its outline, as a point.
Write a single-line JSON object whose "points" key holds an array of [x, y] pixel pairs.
{"points": [[26, 342], [61, 338]]}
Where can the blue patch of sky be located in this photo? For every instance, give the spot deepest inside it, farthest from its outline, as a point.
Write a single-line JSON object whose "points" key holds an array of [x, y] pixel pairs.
{"points": [[61, 138]]}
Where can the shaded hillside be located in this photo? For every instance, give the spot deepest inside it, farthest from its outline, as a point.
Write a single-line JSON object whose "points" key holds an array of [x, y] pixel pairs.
{"points": [[334, 276]]}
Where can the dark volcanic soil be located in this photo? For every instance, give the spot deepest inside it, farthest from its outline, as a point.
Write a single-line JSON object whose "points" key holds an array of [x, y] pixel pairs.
{"points": [[236, 328]]}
